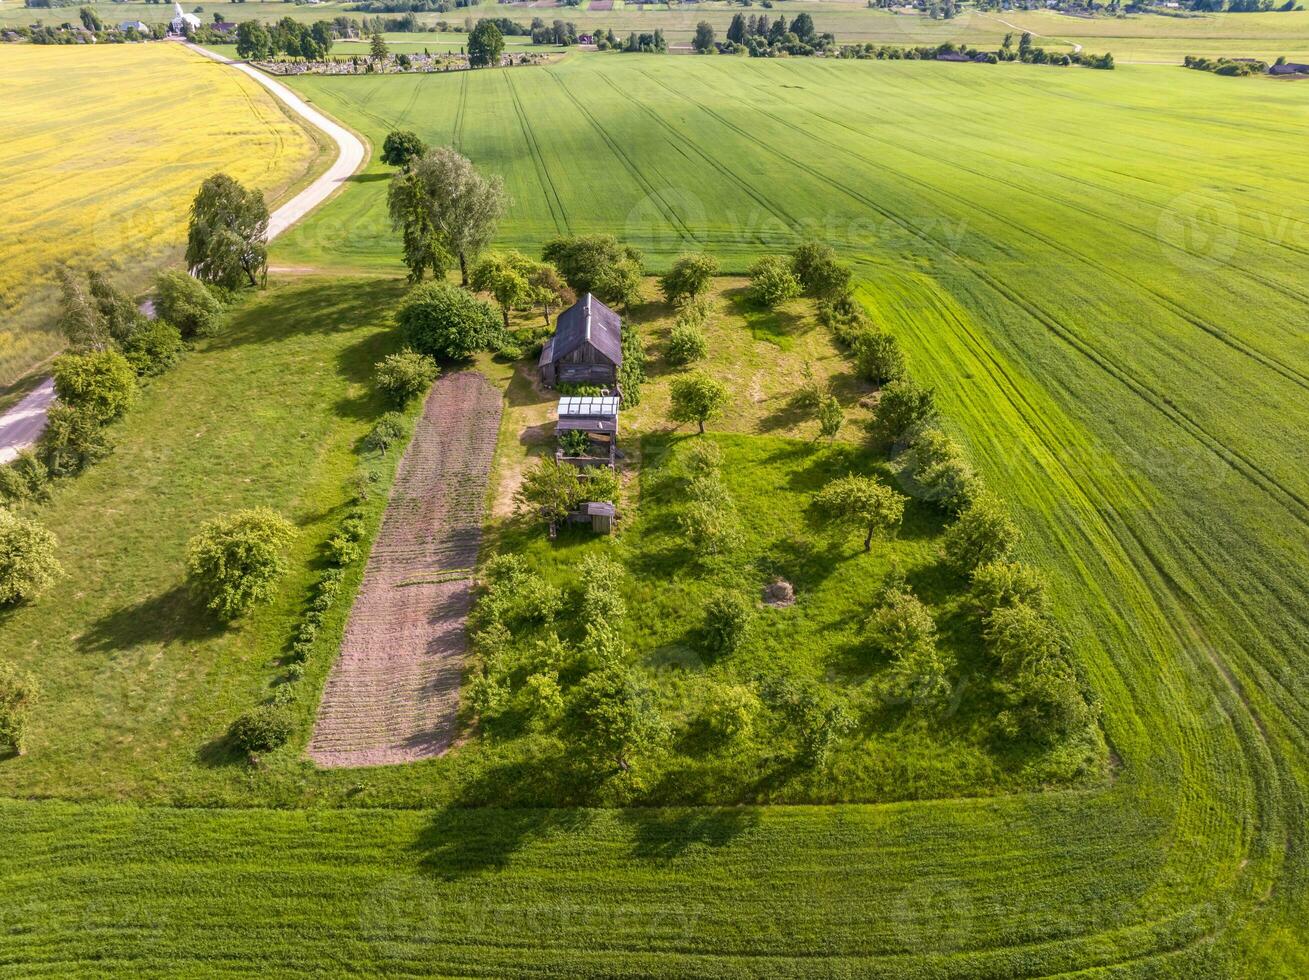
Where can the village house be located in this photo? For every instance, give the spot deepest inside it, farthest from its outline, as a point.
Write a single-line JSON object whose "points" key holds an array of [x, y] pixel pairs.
{"points": [[587, 347]]}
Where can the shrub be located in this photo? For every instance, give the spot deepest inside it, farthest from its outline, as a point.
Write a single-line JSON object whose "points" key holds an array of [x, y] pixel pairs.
{"points": [[703, 457], [631, 375], [265, 728], [688, 276], [903, 628], [982, 533], [845, 317], [815, 716], [342, 551], [819, 273], [386, 431], [692, 311], [153, 348], [878, 356], [708, 520], [404, 376], [73, 440], [101, 383], [514, 594], [26, 478], [727, 621], [234, 560], [904, 409], [446, 322], [728, 712], [187, 304], [18, 692], [686, 344], [937, 472], [861, 502], [771, 282], [117, 311], [830, 417], [602, 598], [28, 565], [998, 584]]}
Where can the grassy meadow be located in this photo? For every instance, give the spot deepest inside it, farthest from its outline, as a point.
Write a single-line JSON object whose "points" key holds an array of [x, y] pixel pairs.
{"points": [[1102, 275], [99, 169]]}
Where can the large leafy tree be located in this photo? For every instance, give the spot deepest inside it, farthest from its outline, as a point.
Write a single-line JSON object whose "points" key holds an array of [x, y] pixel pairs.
{"points": [[445, 210], [513, 279], [614, 715], [227, 242], [485, 45], [597, 264], [401, 147], [253, 41]]}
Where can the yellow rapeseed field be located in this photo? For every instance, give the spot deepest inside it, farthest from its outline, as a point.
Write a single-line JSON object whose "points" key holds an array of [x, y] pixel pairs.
{"points": [[103, 148]]}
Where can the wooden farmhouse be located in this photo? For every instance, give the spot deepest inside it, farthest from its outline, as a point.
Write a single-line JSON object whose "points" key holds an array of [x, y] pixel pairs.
{"points": [[587, 347]]}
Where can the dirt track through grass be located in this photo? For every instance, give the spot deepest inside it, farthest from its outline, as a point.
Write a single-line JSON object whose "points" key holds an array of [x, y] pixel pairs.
{"points": [[393, 694]]}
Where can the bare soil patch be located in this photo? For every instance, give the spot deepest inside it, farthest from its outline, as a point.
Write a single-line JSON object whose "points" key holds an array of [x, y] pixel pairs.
{"points": [[393, 694]]}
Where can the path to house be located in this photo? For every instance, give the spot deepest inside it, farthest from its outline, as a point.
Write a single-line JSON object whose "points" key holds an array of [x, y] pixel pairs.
{"points": [[393, 694], [22, 425], [1077, 48]]}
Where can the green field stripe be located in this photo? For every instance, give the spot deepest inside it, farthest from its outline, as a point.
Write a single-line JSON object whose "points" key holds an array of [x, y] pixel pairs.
{"points": [[557, 211]]}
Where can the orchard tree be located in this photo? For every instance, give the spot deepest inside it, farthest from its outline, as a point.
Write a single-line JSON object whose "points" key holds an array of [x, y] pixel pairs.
{"points": [[401, 147], [697, 398], [485, 45], [227, 241], [862, 502], [688, 277], [983, 533], [234, 560], [830, 417], [904, 410], [879, 356], [614, 715], [446, 322], [28, 565], [508, 277], [446, 210], [772, 282]]}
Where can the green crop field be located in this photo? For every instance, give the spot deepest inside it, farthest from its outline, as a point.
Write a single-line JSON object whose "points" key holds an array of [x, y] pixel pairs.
{"points": [[1102, 273]]}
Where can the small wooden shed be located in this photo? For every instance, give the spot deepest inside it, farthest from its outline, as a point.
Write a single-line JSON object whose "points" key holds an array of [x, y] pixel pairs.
{"points": [[587, 346]]}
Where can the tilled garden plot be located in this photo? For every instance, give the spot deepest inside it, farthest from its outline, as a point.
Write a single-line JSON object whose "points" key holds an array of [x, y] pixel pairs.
{"points": [[393, 694]]}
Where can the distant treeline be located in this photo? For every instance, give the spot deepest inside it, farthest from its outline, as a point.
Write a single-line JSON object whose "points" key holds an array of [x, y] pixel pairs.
{"points": [[1026, 52]]}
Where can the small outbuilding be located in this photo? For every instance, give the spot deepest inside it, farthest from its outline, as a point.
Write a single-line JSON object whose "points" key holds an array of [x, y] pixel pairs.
{"points": [[587, 346], [587, 430]]}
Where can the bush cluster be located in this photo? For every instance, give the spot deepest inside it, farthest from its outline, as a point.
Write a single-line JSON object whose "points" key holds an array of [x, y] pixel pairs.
{"points": [[404, 376], [234, 561], [28, 565]]}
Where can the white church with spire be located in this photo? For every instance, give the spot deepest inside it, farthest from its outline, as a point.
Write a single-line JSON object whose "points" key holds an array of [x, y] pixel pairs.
{"points": [[183, 23]]}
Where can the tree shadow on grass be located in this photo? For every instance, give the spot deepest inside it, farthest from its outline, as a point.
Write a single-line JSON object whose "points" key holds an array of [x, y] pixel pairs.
{"points": [[309, 306], [171, 616], [663, 835]]}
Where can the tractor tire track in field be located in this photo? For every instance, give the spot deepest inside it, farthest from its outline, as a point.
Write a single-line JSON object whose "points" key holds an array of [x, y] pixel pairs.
{"points": [[552, 198], [1268, 361], [617, 150], [725, 171], [1292, 501], [457, 134], [393, 693]]}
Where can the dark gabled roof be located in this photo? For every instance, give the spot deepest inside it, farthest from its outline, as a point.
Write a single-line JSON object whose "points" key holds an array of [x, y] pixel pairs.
{"points": [[589, 320], [1289, 68]]}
